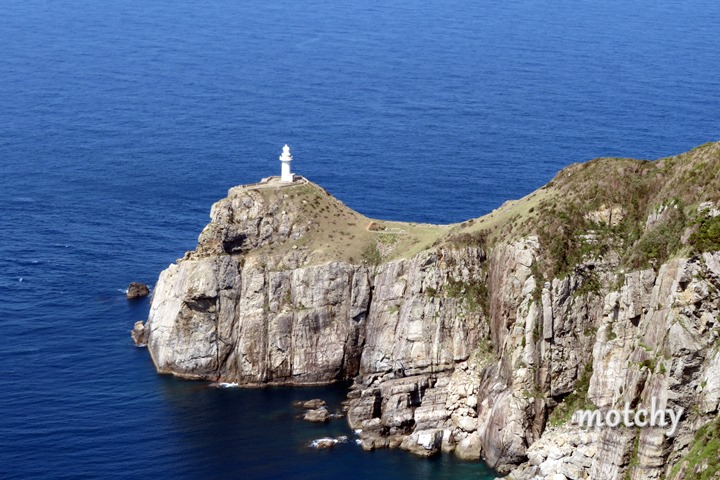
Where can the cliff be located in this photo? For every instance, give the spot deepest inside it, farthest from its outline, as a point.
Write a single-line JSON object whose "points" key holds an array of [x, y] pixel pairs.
{"points": [[482, 337]]}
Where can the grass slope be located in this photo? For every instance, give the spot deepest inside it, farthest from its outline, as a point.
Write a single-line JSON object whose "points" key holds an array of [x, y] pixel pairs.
{"points": [[569, 215]]}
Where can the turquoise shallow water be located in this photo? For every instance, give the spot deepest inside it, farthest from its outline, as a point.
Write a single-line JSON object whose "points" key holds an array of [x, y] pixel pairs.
{"points": [[122, 122]]}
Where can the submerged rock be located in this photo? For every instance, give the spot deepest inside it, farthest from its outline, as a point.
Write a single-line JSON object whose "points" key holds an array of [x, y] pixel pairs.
{"points": [[323, 443], [328, 442]]}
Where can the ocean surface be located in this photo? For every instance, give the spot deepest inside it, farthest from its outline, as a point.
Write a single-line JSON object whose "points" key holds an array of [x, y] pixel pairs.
{"points": [[121, 122]]}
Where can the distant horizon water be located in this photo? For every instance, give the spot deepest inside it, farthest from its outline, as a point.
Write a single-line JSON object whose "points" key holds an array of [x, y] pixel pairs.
{"points": [[121, 123]]}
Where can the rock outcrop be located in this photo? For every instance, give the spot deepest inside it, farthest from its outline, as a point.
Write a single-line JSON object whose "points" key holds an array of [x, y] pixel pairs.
{"points": [[137, 290], [318, 415], [311, 404], [478, 339], [139, 334], [657, 338]]}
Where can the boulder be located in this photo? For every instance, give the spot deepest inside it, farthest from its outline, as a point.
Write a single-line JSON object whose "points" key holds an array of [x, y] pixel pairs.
{"points": [[318, 415], [328, 442], [139, 334], [313, 404], [137, 290], [374, 441], [323, 443], [469, 448], [424, 443]]}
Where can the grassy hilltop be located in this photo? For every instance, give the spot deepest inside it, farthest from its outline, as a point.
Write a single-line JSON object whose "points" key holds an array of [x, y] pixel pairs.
{"points": [[586, 210]]}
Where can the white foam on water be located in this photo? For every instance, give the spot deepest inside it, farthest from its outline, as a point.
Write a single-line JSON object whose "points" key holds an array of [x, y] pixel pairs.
{"points": [[226, 385], [316, 443]]}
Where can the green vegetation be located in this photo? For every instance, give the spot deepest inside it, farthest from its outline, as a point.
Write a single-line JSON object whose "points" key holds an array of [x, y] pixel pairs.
{"points": [[430, 292], [596, 206], [587, 211], [660, 242], [591, 284], [388, 238], [371, 254], [468, 239], [603, 205], [707, 236], [335, 232], [633, 457], [485, 353], [702, 461], [537, 332], [474, 293], [539, 282], [485, 346], [611, 335], [577, 400], [650, 363]]}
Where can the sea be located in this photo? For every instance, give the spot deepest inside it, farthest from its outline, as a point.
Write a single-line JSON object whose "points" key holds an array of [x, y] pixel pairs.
{"points": [[122, 121]]}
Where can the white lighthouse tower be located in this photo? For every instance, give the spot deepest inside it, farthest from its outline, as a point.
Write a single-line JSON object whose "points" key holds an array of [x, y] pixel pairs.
{"points": [[286, 158]]}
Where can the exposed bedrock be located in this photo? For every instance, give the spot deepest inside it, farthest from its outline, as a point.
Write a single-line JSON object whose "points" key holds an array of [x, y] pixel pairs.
{"points": [[454, 347]]}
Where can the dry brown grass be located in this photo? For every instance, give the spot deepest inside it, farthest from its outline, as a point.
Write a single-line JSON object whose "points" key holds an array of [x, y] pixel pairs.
{"points": [[557, 213]]}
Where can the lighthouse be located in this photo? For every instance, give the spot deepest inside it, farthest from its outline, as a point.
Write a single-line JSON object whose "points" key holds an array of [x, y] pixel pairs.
{"points": [[286, 158]]}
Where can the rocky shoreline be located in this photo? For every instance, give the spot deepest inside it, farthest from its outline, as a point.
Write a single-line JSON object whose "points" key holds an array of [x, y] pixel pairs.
{"points": [[457, 338]]}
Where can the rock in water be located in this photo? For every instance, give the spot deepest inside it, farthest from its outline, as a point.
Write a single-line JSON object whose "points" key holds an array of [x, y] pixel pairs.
{"points": [[323, 443], [139, 334], [313, 404], [319, 415], [328, 442], [137, 290]]}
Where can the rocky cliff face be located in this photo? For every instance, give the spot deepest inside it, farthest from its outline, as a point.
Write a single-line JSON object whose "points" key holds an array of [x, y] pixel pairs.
{"points": [[657, 337], [457, 338]]}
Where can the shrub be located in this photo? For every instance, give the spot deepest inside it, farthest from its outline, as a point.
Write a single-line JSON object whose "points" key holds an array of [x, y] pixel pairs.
{"points": [[473, 239], [371, 254], [577, 400], [474, 293], [658, 244], [591, 284], [707, 237], [702, 461]]}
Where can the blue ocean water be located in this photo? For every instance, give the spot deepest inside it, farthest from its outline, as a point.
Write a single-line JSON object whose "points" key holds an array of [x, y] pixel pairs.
{"points": [[122, 122]]}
